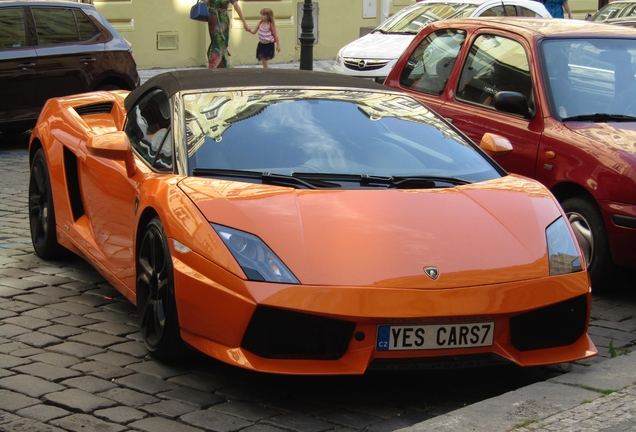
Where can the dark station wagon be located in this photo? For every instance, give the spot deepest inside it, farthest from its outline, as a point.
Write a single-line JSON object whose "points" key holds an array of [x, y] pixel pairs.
{"points": [[56, 48]]}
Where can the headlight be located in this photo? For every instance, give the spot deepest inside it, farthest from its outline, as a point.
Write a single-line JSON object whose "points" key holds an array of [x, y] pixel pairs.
{"points": [[256, 259], [563, 256], [339, 58]]}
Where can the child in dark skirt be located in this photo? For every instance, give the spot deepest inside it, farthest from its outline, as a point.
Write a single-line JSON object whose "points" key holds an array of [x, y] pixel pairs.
{"points": [[267, 37]]}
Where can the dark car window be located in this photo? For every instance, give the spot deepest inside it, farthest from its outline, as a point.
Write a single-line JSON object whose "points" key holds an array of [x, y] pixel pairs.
{"points": [[527, 12], [431, 63], [59, 25], [494, 64], [500, 10], [87, 30], [149, 130], [12, 28]]}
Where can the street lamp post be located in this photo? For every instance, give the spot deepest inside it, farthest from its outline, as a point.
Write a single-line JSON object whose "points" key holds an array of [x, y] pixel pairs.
{"points": [[307, 37]]}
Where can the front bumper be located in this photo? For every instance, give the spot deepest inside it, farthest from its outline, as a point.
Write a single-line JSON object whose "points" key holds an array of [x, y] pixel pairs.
{"points": [[376, 69], [296, 329]]}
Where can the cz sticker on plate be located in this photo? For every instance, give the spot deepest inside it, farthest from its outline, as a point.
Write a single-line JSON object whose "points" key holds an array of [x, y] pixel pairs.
{"points": [[434, 336]]}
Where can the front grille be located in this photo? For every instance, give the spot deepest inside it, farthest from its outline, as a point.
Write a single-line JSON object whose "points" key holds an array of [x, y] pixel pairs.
{"points": [[552, 326], [364, 65], [96, 108], [281, 334]]}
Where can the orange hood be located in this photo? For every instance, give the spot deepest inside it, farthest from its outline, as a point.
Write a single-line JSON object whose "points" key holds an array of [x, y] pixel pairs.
{"points": [[490, 232]]}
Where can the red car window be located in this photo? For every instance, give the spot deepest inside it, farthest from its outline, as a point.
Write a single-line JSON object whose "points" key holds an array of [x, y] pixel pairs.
{"points": [[494, 64], [430, 65]]}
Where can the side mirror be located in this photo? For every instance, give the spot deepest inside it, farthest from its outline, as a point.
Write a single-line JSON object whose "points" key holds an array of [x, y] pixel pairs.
{"points": [[114, 146], [588, 16], [513, 103], [495, 145]]}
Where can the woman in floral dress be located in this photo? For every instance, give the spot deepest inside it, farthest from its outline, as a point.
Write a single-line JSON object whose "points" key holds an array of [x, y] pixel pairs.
{"points": [[219, 26]]}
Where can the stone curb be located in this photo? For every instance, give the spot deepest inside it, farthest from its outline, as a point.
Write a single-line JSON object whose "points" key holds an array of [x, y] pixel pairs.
{"points": [[575, 401]]}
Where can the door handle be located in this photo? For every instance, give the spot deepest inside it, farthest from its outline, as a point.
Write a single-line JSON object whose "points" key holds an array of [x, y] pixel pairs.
{"points": [[87, 60], [25, 66]]}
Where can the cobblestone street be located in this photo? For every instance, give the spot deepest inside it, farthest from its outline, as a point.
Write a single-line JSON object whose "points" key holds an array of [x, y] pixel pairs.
{"points": [[71, 358]]}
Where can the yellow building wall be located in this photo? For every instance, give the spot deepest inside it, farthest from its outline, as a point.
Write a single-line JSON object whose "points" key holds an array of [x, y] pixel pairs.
{"points": [[164, 36], [580, 8]]}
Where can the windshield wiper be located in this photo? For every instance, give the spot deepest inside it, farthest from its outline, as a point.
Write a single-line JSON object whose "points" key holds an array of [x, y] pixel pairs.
{"points": [[265, 177], [422, 182], [601, 117], [397, 182], [312, 180]]}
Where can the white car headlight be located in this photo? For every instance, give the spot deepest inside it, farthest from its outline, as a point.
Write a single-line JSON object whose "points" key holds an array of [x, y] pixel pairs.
{"points": [[563, 255], [339, 58], [257, 260]]}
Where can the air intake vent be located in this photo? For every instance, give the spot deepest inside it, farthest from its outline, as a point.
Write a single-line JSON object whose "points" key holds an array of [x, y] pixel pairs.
{"points": [[97, 108], [73, 185], [281, 334], [556, 325]]}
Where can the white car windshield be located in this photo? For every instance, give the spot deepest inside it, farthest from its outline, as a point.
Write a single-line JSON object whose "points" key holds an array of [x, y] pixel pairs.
{"points": [[411, 20]]}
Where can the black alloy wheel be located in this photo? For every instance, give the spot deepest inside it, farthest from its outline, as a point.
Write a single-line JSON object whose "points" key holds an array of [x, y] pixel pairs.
{"points": [[41, 212], [589, 230], [156, 306]]}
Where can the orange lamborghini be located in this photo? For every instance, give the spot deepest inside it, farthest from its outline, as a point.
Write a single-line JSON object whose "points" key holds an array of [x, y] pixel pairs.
{"points": [[307, 223]]}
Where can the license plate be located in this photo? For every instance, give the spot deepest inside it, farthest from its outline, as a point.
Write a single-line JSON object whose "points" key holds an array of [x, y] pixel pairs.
{"points": [[434, 336]]}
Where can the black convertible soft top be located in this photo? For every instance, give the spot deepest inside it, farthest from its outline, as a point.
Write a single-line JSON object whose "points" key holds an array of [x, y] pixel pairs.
{"points": [[174, 82]]}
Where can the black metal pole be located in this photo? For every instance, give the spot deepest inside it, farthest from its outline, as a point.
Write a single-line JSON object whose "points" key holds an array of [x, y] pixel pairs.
{"points": [[307, 37]]}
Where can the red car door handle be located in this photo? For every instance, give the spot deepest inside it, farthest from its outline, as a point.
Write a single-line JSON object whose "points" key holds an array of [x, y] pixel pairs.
{"points": [[87, 60], [25, 66]]}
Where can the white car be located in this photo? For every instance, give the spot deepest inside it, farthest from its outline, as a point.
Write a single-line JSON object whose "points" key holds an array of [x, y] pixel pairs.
{"points": [[373, 55]]}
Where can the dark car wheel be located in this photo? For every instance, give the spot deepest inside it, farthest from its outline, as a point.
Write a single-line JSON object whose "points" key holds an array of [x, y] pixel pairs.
{"points": [[589, 229], [156, 306], [41, 212]]}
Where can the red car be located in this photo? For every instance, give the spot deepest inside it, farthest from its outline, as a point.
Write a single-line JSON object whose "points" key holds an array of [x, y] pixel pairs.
{"points": [[563, 93]]}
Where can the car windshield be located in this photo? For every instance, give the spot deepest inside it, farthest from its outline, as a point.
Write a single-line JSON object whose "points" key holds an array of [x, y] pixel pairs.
{"points": [[328, 131], [590, 78], [412, 19], [615, 10]]}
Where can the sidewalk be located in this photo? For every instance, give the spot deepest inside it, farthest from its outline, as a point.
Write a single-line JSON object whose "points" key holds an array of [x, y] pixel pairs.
{"points": [[601, 397], [319, 65]]}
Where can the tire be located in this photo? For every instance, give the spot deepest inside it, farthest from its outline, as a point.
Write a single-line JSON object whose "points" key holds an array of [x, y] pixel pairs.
{"points": [[41, 210], [156, 305], [589, 229]]}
